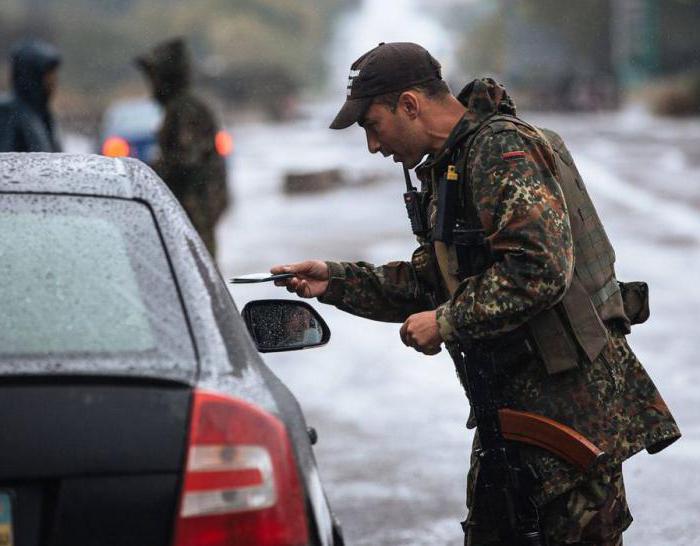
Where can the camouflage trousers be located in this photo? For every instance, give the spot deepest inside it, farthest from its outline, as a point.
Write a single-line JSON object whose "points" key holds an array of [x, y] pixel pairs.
{"points": [[199, 216], [595, 513]]}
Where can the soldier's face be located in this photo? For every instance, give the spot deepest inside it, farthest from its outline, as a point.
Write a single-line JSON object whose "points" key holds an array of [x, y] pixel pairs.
{"points": [[396, 133]]}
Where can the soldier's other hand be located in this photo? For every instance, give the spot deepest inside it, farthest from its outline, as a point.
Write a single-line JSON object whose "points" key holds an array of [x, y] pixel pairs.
{"points": [[421, 332], [310, 278]]}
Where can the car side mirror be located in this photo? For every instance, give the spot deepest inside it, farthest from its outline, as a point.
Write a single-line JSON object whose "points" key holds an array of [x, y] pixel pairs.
{"points": [[284, 325]]}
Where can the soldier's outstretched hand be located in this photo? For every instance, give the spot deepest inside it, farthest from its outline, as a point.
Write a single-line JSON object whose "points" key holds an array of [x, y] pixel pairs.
{"points": [[310, 278]]}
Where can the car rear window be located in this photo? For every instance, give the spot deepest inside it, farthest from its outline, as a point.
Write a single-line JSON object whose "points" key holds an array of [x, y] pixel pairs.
{"points": [[86, 283]]}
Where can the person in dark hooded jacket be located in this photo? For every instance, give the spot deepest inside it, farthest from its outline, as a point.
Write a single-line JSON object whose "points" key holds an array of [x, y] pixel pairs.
{"points": [[26, 122], [189, 163]]}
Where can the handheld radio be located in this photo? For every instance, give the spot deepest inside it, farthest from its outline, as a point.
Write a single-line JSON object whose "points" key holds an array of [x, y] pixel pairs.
{"points": [[414, 207]]}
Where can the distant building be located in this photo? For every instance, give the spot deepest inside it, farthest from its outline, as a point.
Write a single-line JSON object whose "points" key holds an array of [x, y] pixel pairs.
{"points": [[558, 55], [578, 56], [654, 38]]}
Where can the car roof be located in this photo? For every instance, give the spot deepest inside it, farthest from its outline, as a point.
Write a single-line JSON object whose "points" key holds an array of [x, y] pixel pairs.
{"points": [[85, 174]]}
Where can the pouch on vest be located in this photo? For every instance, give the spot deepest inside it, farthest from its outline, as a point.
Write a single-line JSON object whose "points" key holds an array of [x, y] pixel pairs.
{"points": [[635, 298], [425, 265], [568, 331]]}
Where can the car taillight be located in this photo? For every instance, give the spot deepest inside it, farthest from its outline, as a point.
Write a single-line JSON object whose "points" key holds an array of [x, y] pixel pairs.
{"points": [[224, 143], [241, 486], [115, 147]]}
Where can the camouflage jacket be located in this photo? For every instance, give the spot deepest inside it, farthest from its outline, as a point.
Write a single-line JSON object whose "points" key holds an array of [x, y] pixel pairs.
{"points": [[189, 162], [611, 400]]}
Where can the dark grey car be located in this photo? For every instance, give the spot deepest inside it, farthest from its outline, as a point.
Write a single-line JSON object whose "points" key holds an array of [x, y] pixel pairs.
{"points": [[135, 406]]}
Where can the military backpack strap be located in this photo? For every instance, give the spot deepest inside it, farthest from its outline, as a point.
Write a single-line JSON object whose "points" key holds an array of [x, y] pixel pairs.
{"points": [[469, 236], [457, 220], [471, 218], [455, 189], [443, 232]]}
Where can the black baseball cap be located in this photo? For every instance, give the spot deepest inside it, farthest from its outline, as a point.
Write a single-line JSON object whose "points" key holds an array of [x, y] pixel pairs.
{"points": [[386, 68]]}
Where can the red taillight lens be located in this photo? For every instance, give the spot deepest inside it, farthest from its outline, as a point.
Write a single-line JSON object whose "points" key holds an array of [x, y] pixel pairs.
{"points": [[224, 143], [115, 147], [241, 484]]}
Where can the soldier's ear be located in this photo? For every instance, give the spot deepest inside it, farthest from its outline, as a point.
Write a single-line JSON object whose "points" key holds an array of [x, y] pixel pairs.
{"points": [[409, 104]]}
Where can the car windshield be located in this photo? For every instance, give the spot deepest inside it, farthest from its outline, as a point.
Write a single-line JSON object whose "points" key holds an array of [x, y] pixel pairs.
{"points": [[86, 287]]}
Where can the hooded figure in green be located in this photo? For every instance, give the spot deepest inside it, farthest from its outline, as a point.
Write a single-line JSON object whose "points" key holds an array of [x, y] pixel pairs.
{"points": [[189, 162]]}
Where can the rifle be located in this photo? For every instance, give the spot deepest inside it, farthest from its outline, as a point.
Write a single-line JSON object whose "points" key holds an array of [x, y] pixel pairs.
{"points": [[503, 480]]}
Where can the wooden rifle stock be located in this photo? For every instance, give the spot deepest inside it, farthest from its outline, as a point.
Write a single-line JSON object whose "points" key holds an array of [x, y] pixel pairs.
{"points": [[548, 434]]}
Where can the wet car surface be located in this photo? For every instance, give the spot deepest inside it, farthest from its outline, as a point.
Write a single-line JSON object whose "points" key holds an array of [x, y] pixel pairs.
{"points": [[136, 408]]}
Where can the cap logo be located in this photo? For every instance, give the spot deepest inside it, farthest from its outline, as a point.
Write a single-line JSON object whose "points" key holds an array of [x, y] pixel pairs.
{"points": [[351, 78]]}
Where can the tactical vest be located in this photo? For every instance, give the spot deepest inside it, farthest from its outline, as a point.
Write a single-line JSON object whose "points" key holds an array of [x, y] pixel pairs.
{"points": [[575, 327]]}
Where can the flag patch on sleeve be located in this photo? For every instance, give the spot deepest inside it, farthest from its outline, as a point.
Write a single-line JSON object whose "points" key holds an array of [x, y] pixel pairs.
{"points": [[519, 154]]}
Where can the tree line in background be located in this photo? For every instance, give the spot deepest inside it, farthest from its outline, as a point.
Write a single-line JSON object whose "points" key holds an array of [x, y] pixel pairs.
{"points": [[244, 51], [585, 55], [582, 55]]}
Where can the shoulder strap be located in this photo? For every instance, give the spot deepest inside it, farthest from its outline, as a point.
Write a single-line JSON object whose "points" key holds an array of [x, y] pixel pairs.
{"points": [[471, 218]]}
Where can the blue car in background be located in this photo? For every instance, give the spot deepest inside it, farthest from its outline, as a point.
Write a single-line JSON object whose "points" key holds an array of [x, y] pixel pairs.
{"points": [[130, 129]]}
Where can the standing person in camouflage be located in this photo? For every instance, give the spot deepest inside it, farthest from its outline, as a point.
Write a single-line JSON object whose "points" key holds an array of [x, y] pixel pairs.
{"points": [[538, 293], [189, 163]]}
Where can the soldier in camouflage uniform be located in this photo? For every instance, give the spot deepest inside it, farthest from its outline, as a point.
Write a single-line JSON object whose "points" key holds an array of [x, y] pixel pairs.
{"points": [[189, 162], [546, 303]]}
